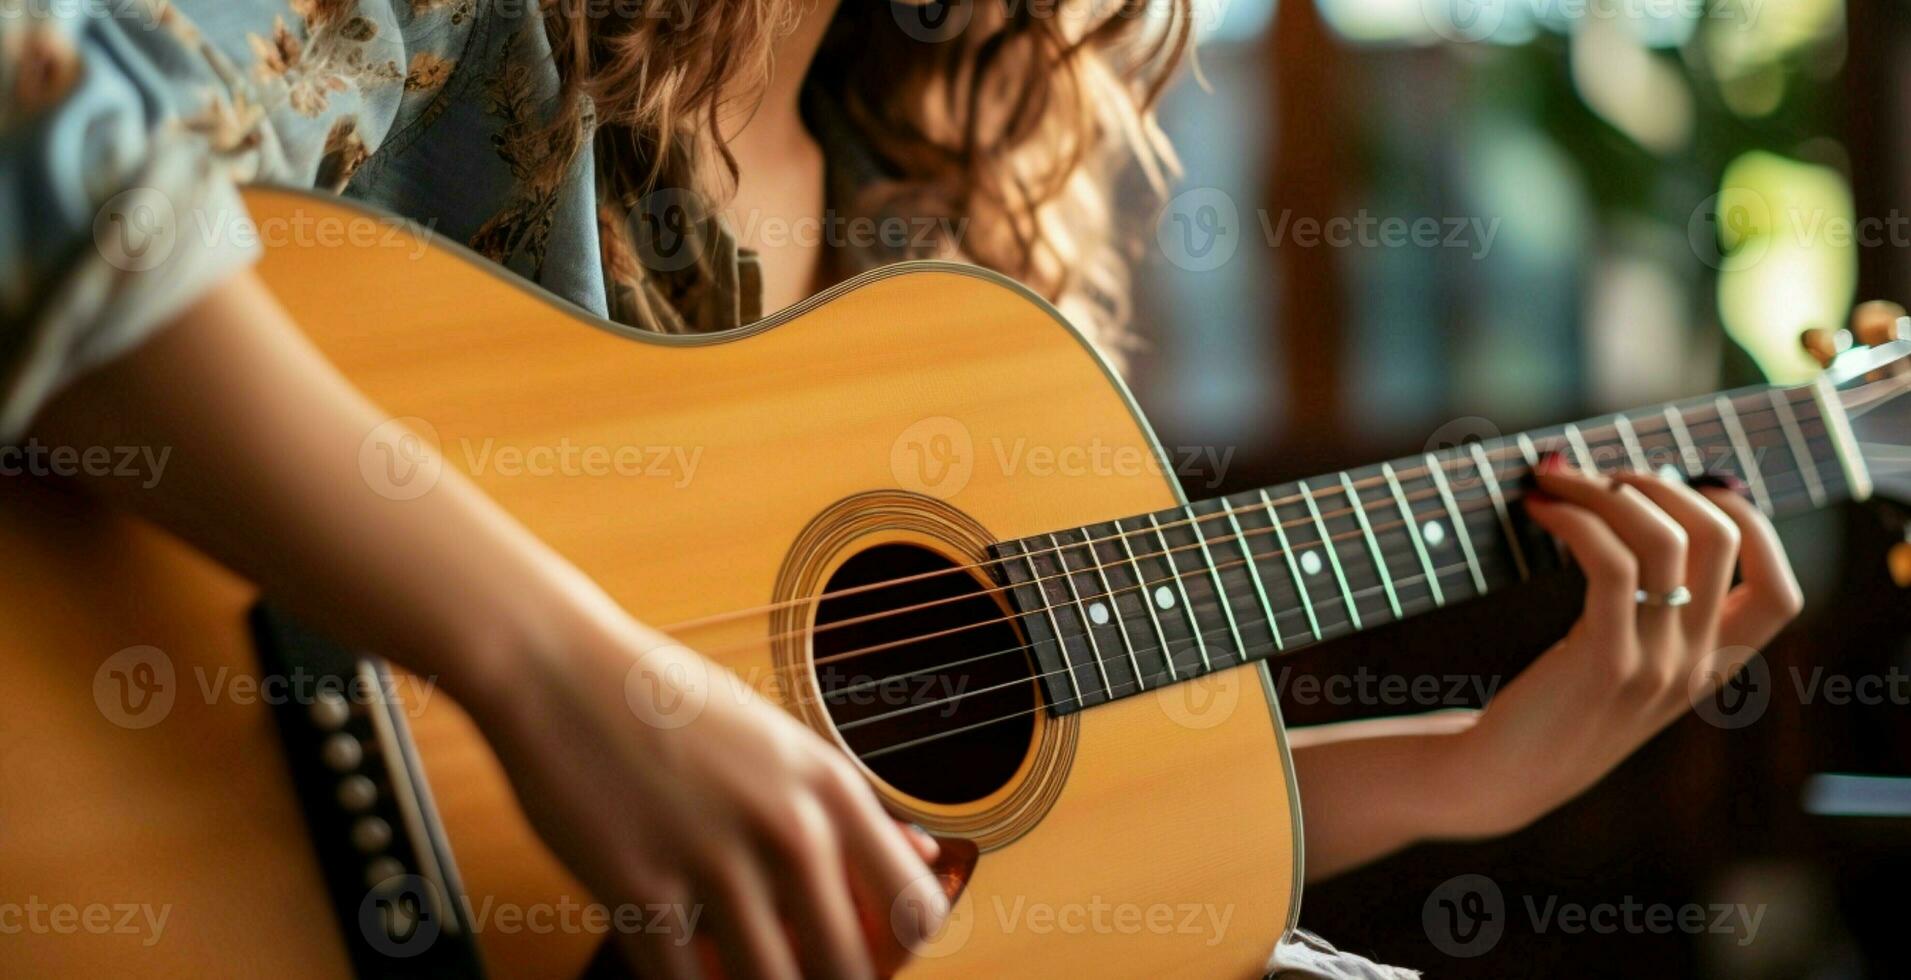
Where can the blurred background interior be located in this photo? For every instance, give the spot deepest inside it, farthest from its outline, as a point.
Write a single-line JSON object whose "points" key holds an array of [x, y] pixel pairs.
{"points": [[1636, 200]]}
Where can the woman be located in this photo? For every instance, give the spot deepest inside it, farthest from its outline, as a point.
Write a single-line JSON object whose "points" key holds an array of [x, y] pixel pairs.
{"points": [[573, 145]]}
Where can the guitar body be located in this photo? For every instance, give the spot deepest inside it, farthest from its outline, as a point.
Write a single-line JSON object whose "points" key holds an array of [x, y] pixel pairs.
{"points": [[918, 407]]}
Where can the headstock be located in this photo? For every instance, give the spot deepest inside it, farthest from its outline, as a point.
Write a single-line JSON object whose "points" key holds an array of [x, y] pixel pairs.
{"points": [[1870, 367]]}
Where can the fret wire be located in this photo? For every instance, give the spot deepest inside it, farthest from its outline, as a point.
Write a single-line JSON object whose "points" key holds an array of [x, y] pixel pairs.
{"points": [[1527, 449], [1459, 524], [1801, 452], [1380, 560], [900, 746], [1491, 478], [1682, 437], [1660, 446], [1532, 461], [1837, 423], [1413, 535], [1061, 641], [1114, 611], [1147, 600], [969, 727], [1358, 592], [1436, 468], [1088, 629], [1022, 649], [1187, 604], [1293, 569], [1254, 575], [1728, 417], [1496, 452], [1176, 574], [1631, 439], [1220, 589], [1806, 392], [1333, 555], [1587, 461], [1331, 538]]}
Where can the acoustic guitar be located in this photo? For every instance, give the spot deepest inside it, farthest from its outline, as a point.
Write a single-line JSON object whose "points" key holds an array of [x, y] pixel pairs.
{"points": [[918, 511]]}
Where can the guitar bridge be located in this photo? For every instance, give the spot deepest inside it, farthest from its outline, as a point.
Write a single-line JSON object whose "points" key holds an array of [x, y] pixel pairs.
{"points": [[397, 900]]}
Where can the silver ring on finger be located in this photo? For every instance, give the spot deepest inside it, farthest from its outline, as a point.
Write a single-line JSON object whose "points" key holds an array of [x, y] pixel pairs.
{"points": [[1678, 596]]}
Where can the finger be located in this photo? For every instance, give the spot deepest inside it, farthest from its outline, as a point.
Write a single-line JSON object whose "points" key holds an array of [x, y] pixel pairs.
{"points": [[1657, 543], [1712, 541], [750, 938], [893, 882], [1768, 596], [1612, 572], [1655, 538], [816, 898], [663, 955], [927, 847]]}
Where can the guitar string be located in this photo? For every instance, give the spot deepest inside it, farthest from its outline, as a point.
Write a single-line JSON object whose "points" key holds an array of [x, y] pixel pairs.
{"points": [[1176, 575], [1099, 566], [1327, 603], [1298, 639], [1383, 507], [1889, 388], [1140, 684], [1194, 671], [1481, 506], [1510, 449]]}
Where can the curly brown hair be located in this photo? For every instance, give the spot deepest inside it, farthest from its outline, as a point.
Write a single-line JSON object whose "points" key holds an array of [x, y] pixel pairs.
{"points": [[1013, 118]]}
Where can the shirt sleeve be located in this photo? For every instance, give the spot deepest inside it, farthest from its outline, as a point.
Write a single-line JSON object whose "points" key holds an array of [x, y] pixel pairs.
{"points": [[125, 129]]}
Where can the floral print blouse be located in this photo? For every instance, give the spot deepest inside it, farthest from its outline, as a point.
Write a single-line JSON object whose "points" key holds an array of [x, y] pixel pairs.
{"points": [[127, 125]]}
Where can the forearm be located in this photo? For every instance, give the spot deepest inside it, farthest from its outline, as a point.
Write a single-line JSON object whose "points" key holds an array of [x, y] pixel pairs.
{"points": [[1369, 788], [262, 442]]}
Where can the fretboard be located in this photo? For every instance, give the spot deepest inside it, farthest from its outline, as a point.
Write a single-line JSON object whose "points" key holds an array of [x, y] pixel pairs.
{"points": [[1125, 606]]}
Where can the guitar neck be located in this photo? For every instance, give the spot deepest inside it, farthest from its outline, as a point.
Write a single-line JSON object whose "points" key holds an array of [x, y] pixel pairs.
{"points": [[1125, 606]]}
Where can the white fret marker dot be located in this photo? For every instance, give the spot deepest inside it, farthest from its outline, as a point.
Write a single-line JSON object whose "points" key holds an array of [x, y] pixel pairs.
{"points": [[1164, 598], [1671, 474], [1433, 533], [1099, 613], [1310, 563]]}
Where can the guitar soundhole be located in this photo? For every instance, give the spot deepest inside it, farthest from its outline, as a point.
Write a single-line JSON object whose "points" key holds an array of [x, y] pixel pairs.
{"points": [[925, 680]]}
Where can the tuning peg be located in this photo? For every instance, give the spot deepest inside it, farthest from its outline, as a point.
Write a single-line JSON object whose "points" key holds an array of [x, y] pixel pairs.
{"points": [[1824, 345], [1877, 322]]}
